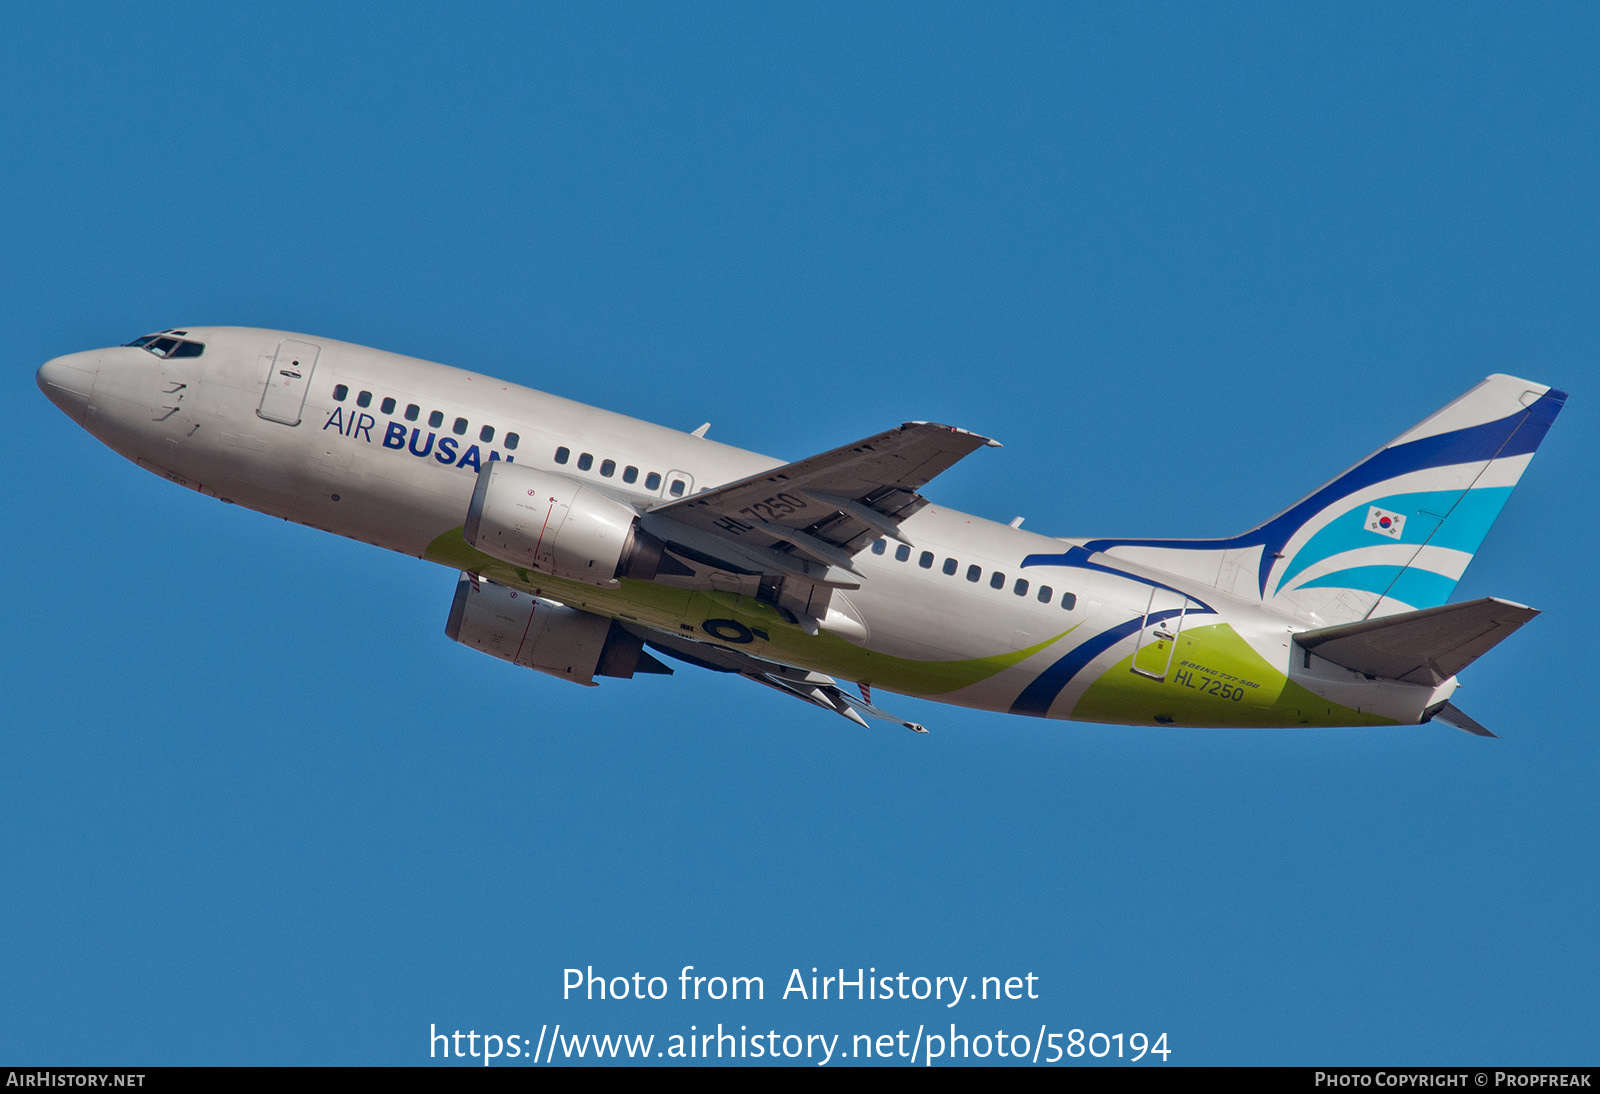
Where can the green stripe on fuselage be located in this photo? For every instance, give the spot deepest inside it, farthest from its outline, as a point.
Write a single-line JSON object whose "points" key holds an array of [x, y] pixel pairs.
{"points": [[1215, 679]]}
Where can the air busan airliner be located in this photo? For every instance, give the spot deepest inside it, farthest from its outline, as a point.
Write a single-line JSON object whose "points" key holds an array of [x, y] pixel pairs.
{"points": [[592, 544]]}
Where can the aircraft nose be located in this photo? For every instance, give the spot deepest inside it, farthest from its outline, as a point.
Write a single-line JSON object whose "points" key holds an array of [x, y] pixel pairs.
{"points": [[68, 382]]}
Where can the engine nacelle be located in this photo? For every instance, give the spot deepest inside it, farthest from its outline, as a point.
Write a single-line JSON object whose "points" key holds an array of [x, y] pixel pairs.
{"points": [[540, 634], [548, 522]]}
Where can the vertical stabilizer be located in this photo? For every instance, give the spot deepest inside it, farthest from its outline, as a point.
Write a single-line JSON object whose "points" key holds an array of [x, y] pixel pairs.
{"points": [[1393, 533]]}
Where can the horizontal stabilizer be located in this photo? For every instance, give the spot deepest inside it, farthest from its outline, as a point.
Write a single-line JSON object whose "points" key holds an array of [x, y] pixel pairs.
{"points": [[1452, 715], [1423, 647]]}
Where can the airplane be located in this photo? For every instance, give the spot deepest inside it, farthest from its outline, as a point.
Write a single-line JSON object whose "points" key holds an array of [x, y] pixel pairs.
{"points": [[590, 544]]}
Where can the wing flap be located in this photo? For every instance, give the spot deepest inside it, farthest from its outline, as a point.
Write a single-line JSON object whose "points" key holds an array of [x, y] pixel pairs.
{"points": [[796, 528]]}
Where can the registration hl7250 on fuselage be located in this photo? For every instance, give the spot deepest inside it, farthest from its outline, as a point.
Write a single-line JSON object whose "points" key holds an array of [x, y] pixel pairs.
{"points": [[593, 544]]}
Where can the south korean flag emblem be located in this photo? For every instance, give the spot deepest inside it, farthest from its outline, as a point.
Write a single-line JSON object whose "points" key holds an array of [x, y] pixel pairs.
{"points": [[1384, 522]]}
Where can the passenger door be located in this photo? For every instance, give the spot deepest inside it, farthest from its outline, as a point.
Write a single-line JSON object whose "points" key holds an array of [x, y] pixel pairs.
{"points": [[288, 378]]}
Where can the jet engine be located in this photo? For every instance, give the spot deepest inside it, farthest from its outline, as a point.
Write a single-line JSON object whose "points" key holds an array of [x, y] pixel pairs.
{"points": [[540, 634], [548, 522]]}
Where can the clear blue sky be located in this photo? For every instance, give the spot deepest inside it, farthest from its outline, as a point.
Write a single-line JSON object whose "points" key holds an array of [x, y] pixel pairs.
{"points": [[1187, 262]]}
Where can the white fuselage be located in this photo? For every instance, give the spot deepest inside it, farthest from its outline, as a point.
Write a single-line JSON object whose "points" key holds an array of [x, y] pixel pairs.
{"points": [[388, 448]]}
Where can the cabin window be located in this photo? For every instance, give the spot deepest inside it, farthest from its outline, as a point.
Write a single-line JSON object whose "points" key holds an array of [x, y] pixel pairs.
{"points": [[412, 410], [676, 489], [879, 547], [562, 454], [585, 461], [364, 399], [926, 560], [460, 428], [608, 468], [511, 441], [486, 434], [974, 573], [950, 566], [339, 392], [652, 481], [1046, 593], [997, 580], [435, 418], [388, 405], [901, 553], [1069, 601], [1021, 587], [630, 474]]}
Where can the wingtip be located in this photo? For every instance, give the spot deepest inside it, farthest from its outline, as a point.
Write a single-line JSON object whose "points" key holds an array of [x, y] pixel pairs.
{"points": [[988, 442]]}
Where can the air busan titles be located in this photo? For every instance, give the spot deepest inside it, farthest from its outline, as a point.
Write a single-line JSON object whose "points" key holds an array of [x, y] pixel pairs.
{"points": [[450, 452], [595, 545]]}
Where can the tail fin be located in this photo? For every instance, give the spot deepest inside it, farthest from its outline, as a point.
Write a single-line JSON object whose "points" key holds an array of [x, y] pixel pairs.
{"points": [[1396, 532], [1392, 534]]}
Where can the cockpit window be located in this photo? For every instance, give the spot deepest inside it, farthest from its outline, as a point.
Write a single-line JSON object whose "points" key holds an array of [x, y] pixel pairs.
{"points": [[163, 346]]}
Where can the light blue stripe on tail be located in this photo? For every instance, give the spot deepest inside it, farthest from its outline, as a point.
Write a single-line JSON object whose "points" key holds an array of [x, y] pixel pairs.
{"points": [[1391, 534]]}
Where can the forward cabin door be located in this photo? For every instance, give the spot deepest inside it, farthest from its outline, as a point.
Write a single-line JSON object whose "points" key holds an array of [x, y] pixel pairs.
{"points": [[288, 378]]}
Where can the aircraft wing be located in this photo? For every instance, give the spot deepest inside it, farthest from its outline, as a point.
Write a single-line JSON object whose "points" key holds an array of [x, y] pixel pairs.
{"points": [[807, 519], [812, 687]]}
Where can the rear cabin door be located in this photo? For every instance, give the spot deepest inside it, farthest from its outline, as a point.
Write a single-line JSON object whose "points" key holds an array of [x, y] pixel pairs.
{"points": [[1158, 638], [287, 380]]}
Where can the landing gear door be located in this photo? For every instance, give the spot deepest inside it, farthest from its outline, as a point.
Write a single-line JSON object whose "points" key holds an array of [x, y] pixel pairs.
{"points": [[288, 378]]}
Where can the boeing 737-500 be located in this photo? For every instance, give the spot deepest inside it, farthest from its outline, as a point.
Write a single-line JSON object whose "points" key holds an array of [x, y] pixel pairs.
{"points": [[591, 544]]}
